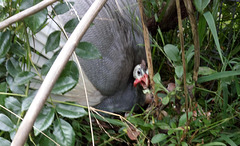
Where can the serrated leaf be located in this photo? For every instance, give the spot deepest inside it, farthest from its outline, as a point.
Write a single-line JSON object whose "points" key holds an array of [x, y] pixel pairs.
{"points": [[158, 138], [20, 89], [13, 104], [44, 120], [63, 132], [45, 141], [68, 78], [5, 123], [27, 101], [37, 20], [4, 142], [61, 8], [87, 50], [183, 119], [13, 67], [5, 43], [172, 52], [46, 67], [71, 25], [165, 100], [53, 41], [23, 77], [17, 50], [70, 111]]}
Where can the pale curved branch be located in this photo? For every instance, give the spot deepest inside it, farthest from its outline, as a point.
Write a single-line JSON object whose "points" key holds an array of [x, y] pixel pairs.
{"points": [[28, 12]]}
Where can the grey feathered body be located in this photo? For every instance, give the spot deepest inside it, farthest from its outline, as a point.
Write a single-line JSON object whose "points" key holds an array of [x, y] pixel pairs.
{"points": [[116, 32]]}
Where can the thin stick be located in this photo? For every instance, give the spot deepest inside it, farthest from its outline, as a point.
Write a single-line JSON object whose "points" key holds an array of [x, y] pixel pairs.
{"points": [[28, 12], [183, 60], [55, 72], [148, 50], [190, 11]]}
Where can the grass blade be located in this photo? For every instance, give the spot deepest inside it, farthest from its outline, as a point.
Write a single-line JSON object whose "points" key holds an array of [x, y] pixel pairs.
{"points": [[209, 18], [218, 75]]}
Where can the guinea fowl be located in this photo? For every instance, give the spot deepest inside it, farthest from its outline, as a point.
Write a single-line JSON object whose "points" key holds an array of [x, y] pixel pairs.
{"points": [[116, 32]]}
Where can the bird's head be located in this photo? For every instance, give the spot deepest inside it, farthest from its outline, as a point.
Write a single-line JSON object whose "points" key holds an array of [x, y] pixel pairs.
{"points": [[140, 73]]}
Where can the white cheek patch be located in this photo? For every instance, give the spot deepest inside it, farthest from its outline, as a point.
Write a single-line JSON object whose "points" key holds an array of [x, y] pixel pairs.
{"points": [[136, 69]]}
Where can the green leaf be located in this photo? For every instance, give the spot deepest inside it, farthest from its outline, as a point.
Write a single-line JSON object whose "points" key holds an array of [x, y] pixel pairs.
{"points": [[45, 141], [211, 23], [165, 100], [53, 41], [13, 67], [44, 120], [184, 144], [172, 52], [225, 94], [61, 8], [205, 71], [36, 21], [201, 28], [5, 43], [70, 111], [87, 51], [71, 25], [3, 88], [27, 101], [228, 140], [201, 4], [68, 78], [111, 121], [158, 138], [23, 77], [190, 53], [17, 50], [46, 67], [218, 75], [20, 89], [5, 123], [163, 125], [13, 104], [179, 71], [157, 78], [63, 133], [214, 143], [26, 4], [3, 71], [171, 131], [183, 119], [4, 142]]}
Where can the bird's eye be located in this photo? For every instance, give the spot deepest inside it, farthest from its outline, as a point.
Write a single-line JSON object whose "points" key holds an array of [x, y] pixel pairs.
{"points": [[139, 72]]}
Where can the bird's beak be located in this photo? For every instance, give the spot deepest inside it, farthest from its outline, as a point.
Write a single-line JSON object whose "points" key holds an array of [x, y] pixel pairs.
{"points": [[144, 82]]}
